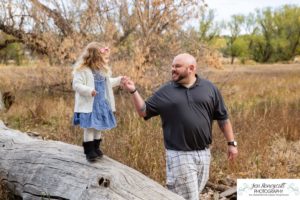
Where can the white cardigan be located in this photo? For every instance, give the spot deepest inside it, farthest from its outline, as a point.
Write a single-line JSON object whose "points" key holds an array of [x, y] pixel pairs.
{"points": [[83, 84]]}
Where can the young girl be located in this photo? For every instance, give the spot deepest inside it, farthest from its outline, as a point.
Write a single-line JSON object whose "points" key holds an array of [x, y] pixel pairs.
{"points": [[94, 99]]}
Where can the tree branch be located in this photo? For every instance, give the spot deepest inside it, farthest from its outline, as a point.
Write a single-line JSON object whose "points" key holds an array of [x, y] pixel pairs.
{"points": [[59, 21]]}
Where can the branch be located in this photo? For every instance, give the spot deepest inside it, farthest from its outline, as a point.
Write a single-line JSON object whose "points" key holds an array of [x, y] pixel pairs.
{"points": [[59, 21], [32, 40]]}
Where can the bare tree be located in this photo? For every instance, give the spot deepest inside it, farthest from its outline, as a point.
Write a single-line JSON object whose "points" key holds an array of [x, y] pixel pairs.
{"points": [[153, 31], [58, 29]]}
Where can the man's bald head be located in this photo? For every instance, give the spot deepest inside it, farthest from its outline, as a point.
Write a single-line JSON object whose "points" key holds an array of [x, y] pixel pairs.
{"points": [[184, 69], [186, 59]]}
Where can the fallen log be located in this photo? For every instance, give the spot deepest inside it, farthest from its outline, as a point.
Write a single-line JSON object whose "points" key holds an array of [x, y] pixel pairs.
{"points": [[35, 169]]}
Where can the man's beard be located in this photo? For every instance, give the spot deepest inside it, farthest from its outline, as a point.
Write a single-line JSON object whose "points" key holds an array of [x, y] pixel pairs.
{"points": [[180, 77]]}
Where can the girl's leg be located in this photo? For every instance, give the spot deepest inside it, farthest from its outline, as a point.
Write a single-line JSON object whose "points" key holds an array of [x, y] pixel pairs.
{"points": [[97, 141], [88, 134], [97, 134], [88, 144]]}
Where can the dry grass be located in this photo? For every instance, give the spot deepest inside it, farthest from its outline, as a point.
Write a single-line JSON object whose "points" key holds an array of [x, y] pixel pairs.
{"points": [[4, 194], [264, 109], [263, 103]]}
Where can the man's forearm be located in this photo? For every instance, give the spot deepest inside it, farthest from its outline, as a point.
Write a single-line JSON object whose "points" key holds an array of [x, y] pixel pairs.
{"points": [[139, 103], [226, 128]]}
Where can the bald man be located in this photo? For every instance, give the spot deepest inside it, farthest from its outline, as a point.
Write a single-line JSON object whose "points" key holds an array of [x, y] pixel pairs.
{"points": [[187, 106]]}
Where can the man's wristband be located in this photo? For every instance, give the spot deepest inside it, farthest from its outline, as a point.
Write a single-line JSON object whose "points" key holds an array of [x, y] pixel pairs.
{"points": [[132, 92], [232, 143]]}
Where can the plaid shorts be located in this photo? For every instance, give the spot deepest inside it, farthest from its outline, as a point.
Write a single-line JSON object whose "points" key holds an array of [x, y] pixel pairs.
{"points": [[187, 172]]}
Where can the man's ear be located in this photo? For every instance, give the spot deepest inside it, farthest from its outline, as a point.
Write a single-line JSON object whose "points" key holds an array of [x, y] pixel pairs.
{"points": [[192, 68]]}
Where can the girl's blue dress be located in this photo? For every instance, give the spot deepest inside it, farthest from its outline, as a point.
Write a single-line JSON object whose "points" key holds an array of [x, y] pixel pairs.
{"points": [[102, 117]]}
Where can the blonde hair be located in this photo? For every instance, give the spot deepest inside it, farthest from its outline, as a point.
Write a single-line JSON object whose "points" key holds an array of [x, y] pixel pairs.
{"points": [[92, 57]]}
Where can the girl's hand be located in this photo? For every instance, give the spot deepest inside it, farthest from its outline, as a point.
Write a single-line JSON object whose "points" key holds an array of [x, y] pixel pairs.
{"points": [[94, 93]]}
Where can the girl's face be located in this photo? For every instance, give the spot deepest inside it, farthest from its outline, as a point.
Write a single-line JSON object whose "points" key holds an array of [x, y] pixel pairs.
{"points": [[105, 52]]}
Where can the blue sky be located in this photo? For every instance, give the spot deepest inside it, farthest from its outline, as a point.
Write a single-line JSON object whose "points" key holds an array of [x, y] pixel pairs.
{"points": [[225, 8]]}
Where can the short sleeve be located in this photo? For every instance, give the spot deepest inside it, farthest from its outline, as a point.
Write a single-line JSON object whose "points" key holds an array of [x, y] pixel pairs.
{"points": [[220, 111], [152, 106]]}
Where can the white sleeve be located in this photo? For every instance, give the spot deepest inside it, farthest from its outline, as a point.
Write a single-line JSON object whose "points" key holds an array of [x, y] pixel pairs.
{"points": [[79, 84], [115, 81]]}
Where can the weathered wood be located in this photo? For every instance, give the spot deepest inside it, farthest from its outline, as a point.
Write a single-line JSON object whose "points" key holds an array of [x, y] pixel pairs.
{"points": [[34, 168], [229, 192], [1, 102], [218, 187]]}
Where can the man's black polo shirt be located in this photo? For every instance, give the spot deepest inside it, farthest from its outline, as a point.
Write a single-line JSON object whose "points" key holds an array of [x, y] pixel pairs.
{"points": [[187, 113]]}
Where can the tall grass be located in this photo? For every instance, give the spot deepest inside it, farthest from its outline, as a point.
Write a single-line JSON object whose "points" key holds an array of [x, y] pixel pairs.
{"points": [[264, 110]]}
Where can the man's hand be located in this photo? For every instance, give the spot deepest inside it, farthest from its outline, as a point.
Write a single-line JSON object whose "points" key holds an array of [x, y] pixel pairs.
{"points": [[127, 84], [232, 152]]}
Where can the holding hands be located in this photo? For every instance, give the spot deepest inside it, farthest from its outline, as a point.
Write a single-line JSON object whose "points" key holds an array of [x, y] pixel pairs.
{"points": [[138, 101], [128, 84]]}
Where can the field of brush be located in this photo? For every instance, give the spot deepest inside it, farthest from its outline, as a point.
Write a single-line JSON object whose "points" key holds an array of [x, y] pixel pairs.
{"points": [[263, 102]]}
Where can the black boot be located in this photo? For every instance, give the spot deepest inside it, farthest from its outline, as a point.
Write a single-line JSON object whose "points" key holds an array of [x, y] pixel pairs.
{"points": [[97, 148], [89, 151]]}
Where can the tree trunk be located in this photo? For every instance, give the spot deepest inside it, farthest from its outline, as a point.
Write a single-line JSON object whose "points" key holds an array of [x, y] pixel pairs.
{"points": [[232, 59], [35, 169]]}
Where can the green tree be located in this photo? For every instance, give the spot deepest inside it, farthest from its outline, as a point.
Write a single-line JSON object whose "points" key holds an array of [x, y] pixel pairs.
{"points": [[287, 29], [262, 43], [10, 49], [278, 35], [235, 28], [208, 29]]}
